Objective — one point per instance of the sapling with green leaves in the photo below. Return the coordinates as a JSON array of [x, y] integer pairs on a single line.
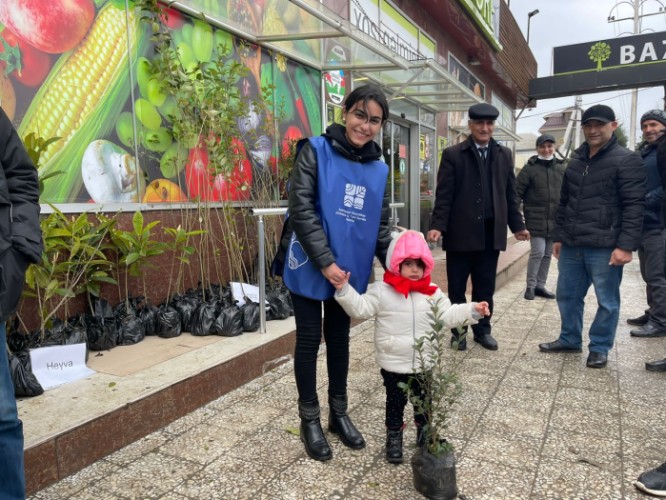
[[136, 248], [439, 380]]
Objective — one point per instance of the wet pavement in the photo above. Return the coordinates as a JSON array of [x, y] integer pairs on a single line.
[[529, 425]]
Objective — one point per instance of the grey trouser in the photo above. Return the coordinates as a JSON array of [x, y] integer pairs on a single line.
[[539, 263], [651, 260]]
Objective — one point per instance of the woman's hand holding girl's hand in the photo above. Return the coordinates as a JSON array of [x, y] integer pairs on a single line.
[[482, 308], [336, 276]]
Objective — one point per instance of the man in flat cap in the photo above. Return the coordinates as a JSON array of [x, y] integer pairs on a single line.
[[598, 225], [475, 201], [538, 185]]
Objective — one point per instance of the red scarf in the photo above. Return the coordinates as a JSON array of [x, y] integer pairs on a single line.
[[405, 285]]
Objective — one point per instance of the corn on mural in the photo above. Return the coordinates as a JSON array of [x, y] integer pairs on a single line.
[[89, 87]]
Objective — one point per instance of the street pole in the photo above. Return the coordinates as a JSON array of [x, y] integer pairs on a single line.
[[529, 19], [634, 92]]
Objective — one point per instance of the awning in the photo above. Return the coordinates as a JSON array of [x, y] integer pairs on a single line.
[[319, 35]]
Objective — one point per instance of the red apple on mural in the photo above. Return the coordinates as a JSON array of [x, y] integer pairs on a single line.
[[54, 27], [204, 184]]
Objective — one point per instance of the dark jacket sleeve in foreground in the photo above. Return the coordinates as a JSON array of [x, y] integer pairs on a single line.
[[19, 187]]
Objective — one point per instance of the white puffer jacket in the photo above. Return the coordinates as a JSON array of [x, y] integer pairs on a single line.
[[400, 321]]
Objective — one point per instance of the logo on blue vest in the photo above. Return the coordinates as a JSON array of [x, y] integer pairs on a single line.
[[297, 256], [354, 196]]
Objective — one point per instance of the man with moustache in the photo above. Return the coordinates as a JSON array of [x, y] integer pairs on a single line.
[[598, 225], [475, 200], [651, 250]]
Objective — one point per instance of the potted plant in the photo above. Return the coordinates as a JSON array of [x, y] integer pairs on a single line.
[[433, 463]]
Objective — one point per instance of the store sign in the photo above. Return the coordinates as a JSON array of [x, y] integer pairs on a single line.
[[483, 13], [619, 63], [384, 23], [611, 54]]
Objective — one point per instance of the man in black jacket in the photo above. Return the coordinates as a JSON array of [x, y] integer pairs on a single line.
[[475, 201], [651, 249], [598, 225], [20, 244], [538, 185]]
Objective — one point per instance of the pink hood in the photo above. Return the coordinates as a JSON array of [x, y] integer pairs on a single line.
[[409, 245]]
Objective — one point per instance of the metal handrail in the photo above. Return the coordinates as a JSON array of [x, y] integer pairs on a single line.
[[260, 213], [261, 235]]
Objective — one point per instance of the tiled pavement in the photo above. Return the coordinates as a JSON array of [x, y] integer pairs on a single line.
[[529, 425]]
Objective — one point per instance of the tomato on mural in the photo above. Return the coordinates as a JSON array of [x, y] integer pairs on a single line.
[[64, 75]]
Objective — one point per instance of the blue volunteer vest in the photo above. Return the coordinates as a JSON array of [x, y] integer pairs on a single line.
[[349, 202]]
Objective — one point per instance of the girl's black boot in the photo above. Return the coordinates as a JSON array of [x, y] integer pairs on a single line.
[[394, 446]]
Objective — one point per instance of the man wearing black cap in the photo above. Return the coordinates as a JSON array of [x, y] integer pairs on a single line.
[[597, 227], [538, 185], [475, 201]]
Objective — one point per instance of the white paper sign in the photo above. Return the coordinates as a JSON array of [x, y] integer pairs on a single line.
[[57, 365], [239, 290]]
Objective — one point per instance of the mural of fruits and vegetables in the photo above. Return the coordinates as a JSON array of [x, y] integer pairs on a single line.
[[65, 72]]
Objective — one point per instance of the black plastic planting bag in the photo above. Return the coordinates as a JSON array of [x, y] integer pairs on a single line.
[[124, 308], [229, 323], [203, 319], [130, 330], [186, 307], [168, 322], [17, 341], [148, 316], [435, 477], [279, 305], [26, 384], [101, 327], [251, 320], [75, 333]]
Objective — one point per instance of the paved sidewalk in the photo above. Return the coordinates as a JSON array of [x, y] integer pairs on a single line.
[[529, 425]]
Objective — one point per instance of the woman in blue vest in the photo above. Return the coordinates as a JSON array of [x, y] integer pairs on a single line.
[[338, 221]]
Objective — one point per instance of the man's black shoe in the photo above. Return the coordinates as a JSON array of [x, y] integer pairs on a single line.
[[597, 360], [557, 346], [542, 292], [656, 366], [639, 321], [650, 330], [487, 342], [529, 294], [653, 481]]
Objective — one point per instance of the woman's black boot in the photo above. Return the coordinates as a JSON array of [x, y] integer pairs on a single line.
[[312, 435], [339, 423], [394, 446]]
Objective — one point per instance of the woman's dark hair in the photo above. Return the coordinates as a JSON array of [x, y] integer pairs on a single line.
[[368, 93]]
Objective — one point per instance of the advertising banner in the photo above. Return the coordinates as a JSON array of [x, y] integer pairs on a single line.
[[83, 77]]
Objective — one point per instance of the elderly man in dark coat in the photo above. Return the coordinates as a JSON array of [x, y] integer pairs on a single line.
[[475, 201]]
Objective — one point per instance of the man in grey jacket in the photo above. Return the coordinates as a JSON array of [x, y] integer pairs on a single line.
[[20, 244], [598, 225]]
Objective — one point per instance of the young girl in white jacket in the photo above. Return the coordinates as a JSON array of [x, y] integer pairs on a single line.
[[401, 306]]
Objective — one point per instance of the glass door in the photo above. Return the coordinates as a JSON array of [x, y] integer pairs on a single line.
[[396, 148]]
